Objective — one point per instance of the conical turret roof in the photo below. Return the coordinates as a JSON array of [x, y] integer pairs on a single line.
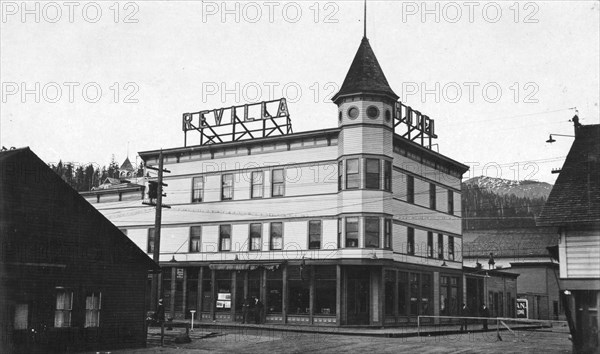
[[365, 75]]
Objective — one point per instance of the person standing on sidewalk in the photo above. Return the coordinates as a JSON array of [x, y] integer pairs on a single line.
[[259, 311], [464, 312], [245, 309], [485, 313]]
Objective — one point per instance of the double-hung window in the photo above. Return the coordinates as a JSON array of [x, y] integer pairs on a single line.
[[64, 307], [255, 237], [451, 248], [314, 234], [387, 176], [352, 174], [450, 202], [410, 189], [430, 244], [197, 189], [387, 235], [195, 239], [373, 173], [432, 196], [410, 242], [440, 246], [225, 238], [372, 232], [278, 183], [352, 232], [227, 186], [257, 184], [276, 236], [93, 304]]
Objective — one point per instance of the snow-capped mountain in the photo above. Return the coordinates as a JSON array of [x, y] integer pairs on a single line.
[[523, 189]]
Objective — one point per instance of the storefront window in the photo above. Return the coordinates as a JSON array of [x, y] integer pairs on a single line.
[[426, 293], [390, 283], [402, 292], [192, 289], [299, 292], [325, 290], [414, 293], [274, 290], [223, 279], [448, 296]]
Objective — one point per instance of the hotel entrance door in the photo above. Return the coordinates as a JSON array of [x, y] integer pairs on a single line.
[[358, 294]]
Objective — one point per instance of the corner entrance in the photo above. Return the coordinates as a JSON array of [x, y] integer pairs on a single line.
[[357, 296]]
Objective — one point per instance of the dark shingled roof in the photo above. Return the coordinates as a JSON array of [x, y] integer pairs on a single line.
[[365, 75], [575, 197], [527, 242], [126, 165]]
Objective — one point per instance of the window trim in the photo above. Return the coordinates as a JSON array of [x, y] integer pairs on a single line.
[[410, 240], [195, 200], [430, 252], [387, 175], [357, 232], [410, 189], [340, 175], [262, 185], [320, 229], [193, 236], [92, 310], [450, 202], [388, 226], [250, 243], [68, 311], [221, 238], [432, 196], [273, 183], [223, 186], [357, 173], [271, 236], [372, 219]]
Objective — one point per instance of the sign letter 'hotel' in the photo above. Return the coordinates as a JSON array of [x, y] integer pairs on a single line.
[[359, 224]]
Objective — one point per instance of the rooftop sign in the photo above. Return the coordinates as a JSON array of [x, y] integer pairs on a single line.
[[413, 125], [249, 121]]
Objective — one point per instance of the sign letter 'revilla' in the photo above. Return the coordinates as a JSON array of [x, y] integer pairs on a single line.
[[241, 122]]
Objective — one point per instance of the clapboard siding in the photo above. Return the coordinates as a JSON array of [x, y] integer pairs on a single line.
[[365, 140], [421, 192], [582, 250], [427, 218], [222, 163], [431, 173]]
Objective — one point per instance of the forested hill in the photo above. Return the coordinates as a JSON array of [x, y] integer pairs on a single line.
[[83, 177], [492, 203]]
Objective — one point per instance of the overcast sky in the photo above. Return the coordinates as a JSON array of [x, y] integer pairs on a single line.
[[496, 77]]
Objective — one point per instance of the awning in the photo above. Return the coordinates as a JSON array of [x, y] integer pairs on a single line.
[[244, 266]]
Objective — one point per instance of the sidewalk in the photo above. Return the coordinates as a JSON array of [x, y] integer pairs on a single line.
[[389, 332]]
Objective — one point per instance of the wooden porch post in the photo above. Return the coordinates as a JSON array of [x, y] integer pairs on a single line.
[[173, 288], [284, 296], [200, 298], [338, 295], [233, 293], [213, 279]]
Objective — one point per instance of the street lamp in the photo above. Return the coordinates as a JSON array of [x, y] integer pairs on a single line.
[[551, 139]]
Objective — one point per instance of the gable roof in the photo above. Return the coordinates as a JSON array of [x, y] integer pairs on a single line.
[[575, 197], [525, 242], [38, 206], [365, 75]]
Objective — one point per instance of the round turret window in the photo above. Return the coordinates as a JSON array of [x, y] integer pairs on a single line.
[[353, 112], [372, 112]]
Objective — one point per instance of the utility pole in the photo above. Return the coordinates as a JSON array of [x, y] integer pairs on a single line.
[[155, 189]]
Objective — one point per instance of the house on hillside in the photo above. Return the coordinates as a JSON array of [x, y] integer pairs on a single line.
[[521, 251], [574, 208], [69, 279]]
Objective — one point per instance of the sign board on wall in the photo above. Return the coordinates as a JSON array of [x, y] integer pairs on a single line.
[[522, 308]]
